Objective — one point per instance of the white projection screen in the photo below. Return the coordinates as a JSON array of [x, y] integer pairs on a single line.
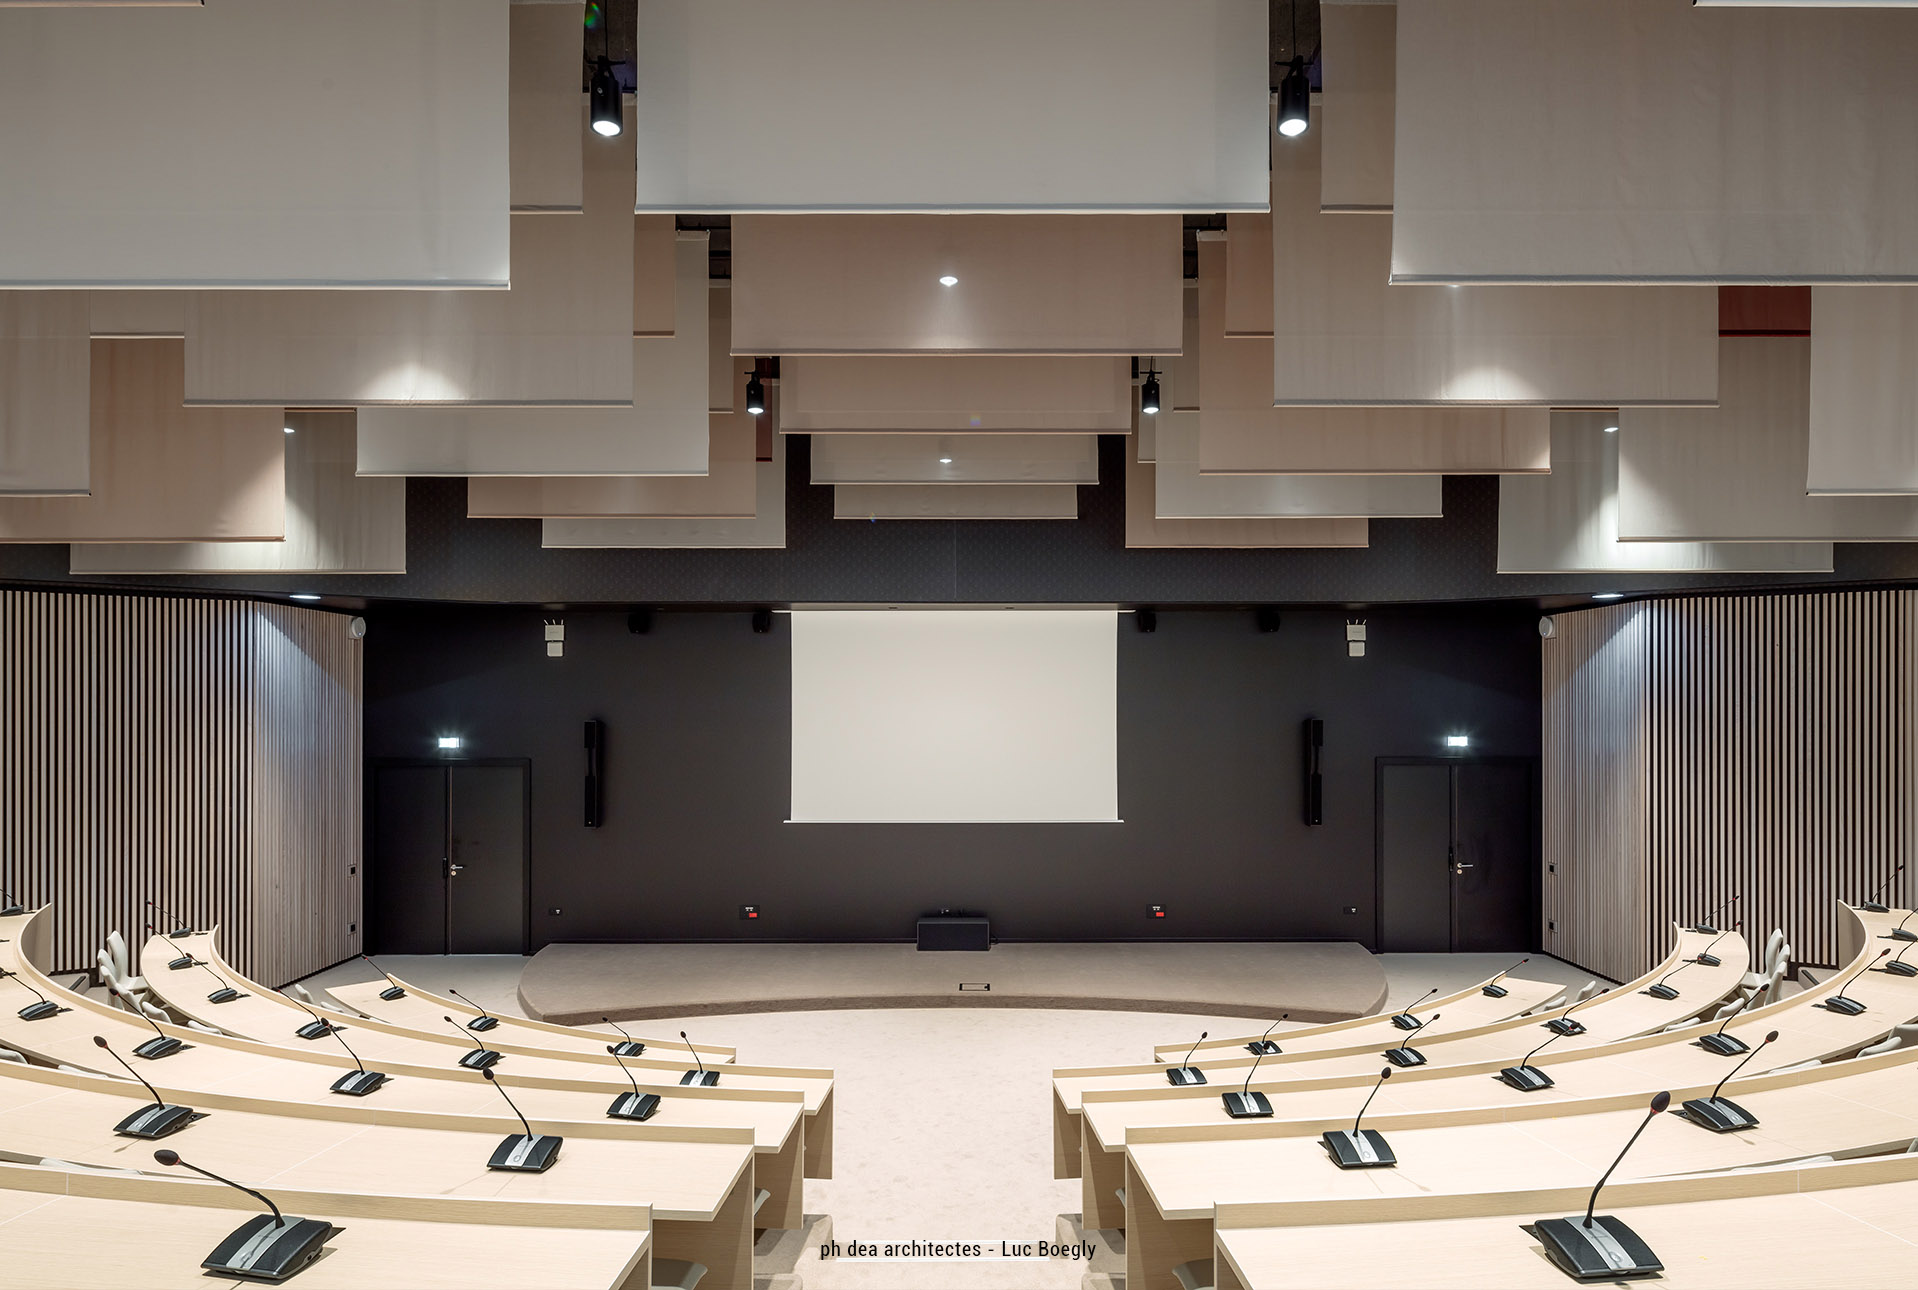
[[928, 716]]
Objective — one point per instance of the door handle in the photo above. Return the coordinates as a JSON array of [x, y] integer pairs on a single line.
[[454, 870], [1461, 868]]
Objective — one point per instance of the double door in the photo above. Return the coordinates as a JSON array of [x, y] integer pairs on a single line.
[[449, 872], [1457, 859]]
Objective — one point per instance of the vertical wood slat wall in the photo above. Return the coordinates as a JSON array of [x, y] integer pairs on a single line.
[[1696, 749], [200, 753]]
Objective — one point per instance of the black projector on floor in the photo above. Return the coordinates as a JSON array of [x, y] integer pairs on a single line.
[[954, 932]]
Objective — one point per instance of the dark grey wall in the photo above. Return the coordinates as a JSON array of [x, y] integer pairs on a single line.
[[698, 770]]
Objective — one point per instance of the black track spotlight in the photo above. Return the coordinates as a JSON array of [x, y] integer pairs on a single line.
[[755, 395], [1147, 620], [607, 111], [1295, 100], [1149, 394]]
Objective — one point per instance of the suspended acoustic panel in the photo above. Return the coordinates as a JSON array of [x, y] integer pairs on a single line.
[[546, 113], [1643, 141], [663, 432], [920, 105], [1181, 370], [161, 471], [727, 490], [1355, 111], [1736, 473], [1342, 334], [335, 521], [655, 276], [1248, 275], [1144, 529], [560, 336], [939, 502], [43, 393], [719, 344], [955, 459], [766, 529], [1240, 432], [1182, 493], [270, 143], [139, 315], [1025, 284], [955, 394], [1864, 391], [1567, 521]]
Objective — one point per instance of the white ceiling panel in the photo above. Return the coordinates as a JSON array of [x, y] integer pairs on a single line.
[[766, 529], [940, 502], [1144, 529], [955, 459], [43, 393], [1354, 114], [955, 394], [1864, 391]]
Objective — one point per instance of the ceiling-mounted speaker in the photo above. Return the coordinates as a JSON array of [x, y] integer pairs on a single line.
[[1267, 618], [762, 621], [595, 753], [1313, 733], [1548, 627], [1147, 620], [639, 622]]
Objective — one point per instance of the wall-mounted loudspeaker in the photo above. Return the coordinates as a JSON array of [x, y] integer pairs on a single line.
[[1147, 620], [762, 621], [595, 752], [1313, 732], [639, 622], [1267, 618], [1548, 627]]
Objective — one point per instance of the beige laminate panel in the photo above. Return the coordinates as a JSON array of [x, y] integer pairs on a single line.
[[161, 471], [43, 393], [336, 521], [1736, 472], [765, 530], [1567, 521], [559, 337], [1143, 528], [1355, 110], [719, 360], [1344, 334], [1027, 284], [1248, 275], [656, 282], [955, 459], [942, 502], [546, 113], [663, 430], [137, 315], [1864, 391], [1240, 432], [955, 394]]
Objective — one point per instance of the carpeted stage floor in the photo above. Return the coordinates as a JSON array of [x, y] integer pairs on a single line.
[[1314, 981]]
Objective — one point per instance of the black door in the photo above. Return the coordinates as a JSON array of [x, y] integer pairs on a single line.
[[449, 858], [1455, 854]]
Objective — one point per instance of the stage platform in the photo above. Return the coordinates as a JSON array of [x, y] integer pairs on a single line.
[[1312, 980]]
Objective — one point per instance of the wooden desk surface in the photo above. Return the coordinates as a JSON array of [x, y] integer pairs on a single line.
[[1470, 1008], [60, 1233], [1810, 1237]]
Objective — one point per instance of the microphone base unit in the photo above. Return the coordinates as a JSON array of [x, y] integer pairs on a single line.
[[1709, 960], [1901, 969], [1662, 991], [1246, 1106], [1844, 1006], [629, 1048], [1405, 1056], [1900, 934], [1723, 1044], [482, 1023], [358, 1083], [519, 1154], [13, 911], [391, 993], [1565, 1026], [225, 994], [1874, 907], [179, 933], [1526, 1079], [1704, 929], [479, 1059], [1606, 1250], [1494, 991], [1406, 1021], [1365, 1149], [156, 1120], [39, 1011], [700, 1079], [633, 1106], [1263, 1048], [1719, 1114], [182, 963], [157, 1047], [269, 1249], [1182, 1076], [315, 1030]]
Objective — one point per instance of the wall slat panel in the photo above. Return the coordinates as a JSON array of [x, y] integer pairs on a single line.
[[1703, 748], [164, 749]]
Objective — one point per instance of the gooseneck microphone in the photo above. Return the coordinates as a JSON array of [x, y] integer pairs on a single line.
[[9, 907], [1706, 956], [34, 1011], [392, 990], [226, 993], [477, 1059], [1842, 1003], [1405, 1054], [634, 1105], [1245, 1104], [627, 1045], [1493, 990], [1263, 1046], [1563, 1024], [1731, 1045], [181, 928], [1704, 925], [1591, 1248], [1525, 1077], [262, 1248], [1721, 1114], [159, 1117], [1185, 1072], [1662, 989], [357, 1082], [485, 1020], [179, 962], [701, 1078], [1872, 904], [1898, 966], [1405, 1020], [1899, 933], [1356, 1149], [161, 1045], [318, 1028], [522, 1153]]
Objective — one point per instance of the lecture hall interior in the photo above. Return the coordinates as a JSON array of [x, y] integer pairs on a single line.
[[911, 644]]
